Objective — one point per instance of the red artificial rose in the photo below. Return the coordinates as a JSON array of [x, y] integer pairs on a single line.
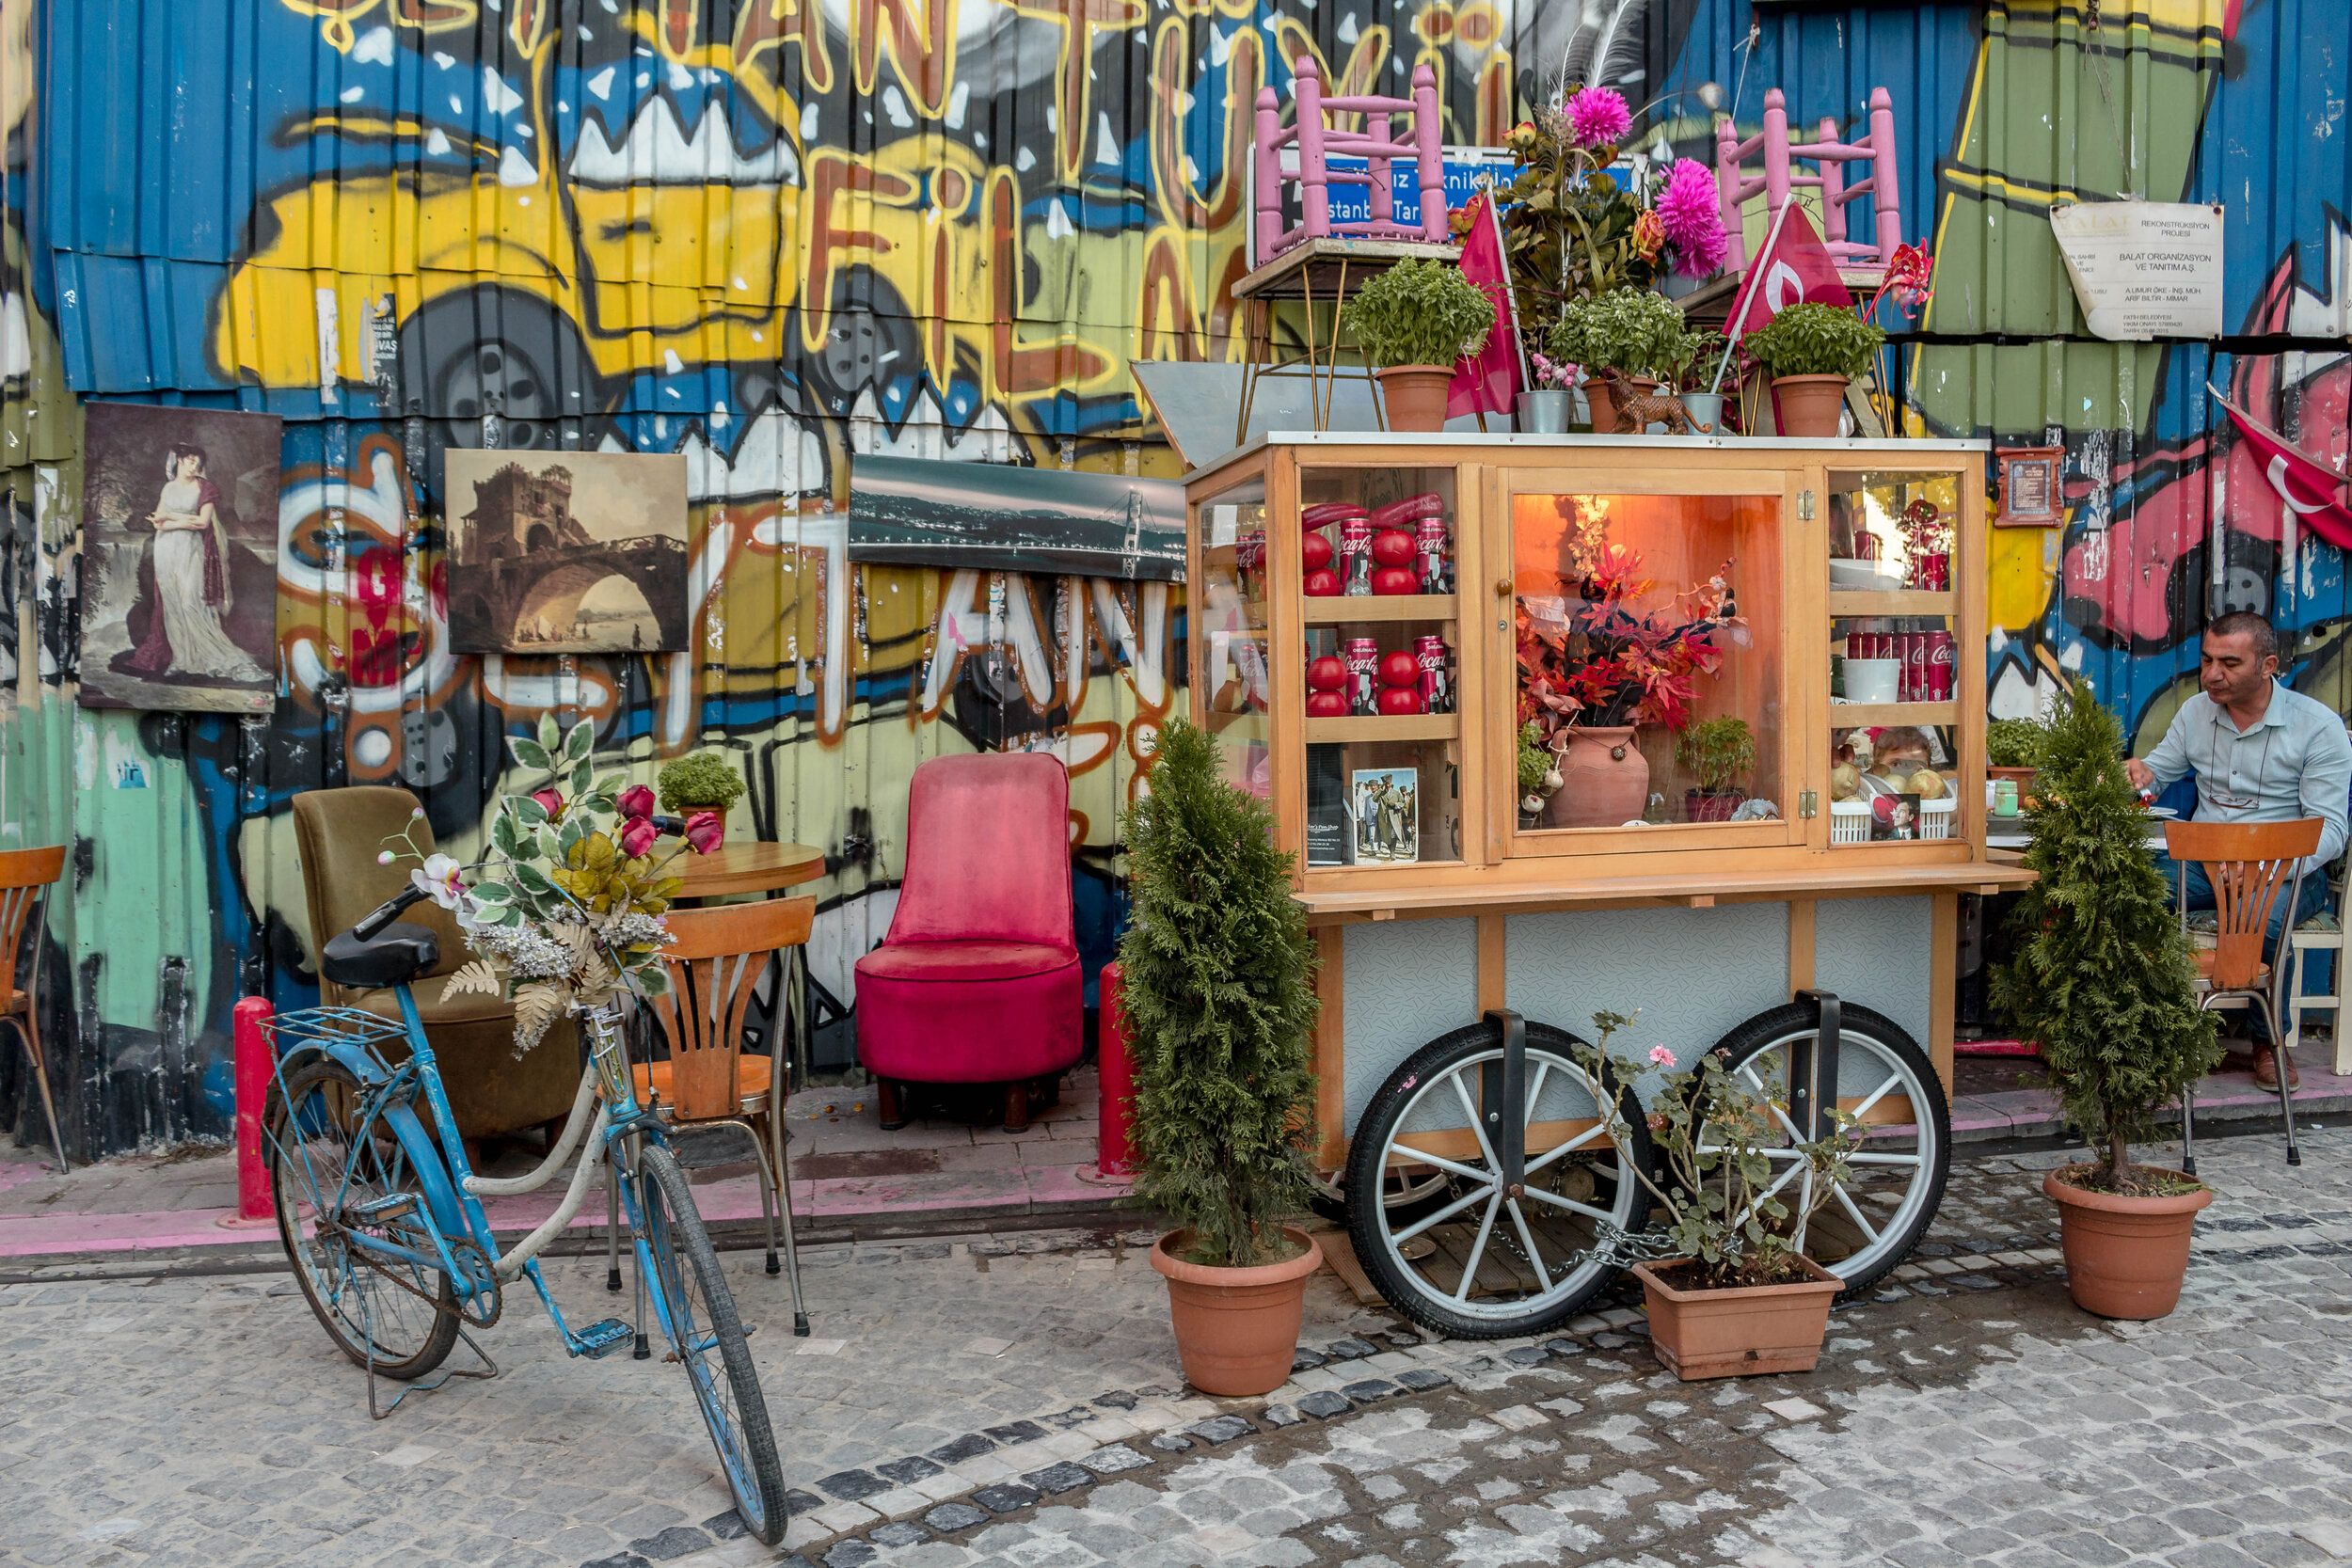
[[636, 801], [704, 832], [638, 836], [549, 801]]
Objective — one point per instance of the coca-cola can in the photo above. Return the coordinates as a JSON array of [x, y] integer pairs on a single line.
[[1916, 666], [1356, 557], [1435, 572], [1362, 655], [1437, 675], [1943, 665]]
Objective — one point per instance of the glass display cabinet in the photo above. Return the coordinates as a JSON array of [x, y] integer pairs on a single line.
[[1680, 728]]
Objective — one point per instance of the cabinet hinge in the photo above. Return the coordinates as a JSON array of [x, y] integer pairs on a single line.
[[1808, 804]]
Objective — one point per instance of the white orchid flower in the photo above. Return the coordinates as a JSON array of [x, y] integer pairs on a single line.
[[441, 878]]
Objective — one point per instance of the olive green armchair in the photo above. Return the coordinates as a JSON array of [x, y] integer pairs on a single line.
[[339, 832]]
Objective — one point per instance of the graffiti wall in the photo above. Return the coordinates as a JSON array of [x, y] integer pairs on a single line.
[[772, 235]]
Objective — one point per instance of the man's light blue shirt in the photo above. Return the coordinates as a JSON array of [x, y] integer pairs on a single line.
[[2296, 762]]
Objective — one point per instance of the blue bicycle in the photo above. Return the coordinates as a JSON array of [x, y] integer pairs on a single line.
[[382, 1216]]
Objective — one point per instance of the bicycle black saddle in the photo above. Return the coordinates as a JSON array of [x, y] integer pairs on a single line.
[[395, 954]]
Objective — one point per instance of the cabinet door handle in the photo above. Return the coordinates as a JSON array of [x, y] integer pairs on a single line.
[[1502, 588]]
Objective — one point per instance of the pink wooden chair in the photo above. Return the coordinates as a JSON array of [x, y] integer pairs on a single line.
[[1377, 145], [1780, 179]]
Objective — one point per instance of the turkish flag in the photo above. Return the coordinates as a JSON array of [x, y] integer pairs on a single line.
[[1487, 382], [1794, 268], [2307, 488]]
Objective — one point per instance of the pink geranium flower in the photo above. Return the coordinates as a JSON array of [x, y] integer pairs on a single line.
[[1689, 211], [1597, 117], [1661, 1056]]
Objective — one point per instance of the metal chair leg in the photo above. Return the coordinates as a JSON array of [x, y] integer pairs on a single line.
[[776, 1136], [2286, 1095], [767, 1190], [40, 1077]]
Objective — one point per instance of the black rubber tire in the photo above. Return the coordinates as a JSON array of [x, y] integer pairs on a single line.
[[1765, 1030], [299, 1160], [676, 1237], [1365, 1166]]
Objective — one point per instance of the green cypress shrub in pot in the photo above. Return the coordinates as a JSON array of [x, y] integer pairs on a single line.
[[1219, 1000]]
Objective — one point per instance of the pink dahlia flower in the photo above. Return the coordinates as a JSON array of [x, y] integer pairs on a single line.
[[1692, 217], [1599, 115]]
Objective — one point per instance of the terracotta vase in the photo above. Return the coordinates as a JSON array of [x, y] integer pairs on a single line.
[[1236, 1329], [1415, 395], [1808, 405], [2125, 1257], [1604, 780], [1738, 1333]]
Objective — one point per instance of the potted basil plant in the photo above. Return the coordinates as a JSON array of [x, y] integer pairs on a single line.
[[1415, 321], [1218, 997], [1812, 351], [1737, 1297], [1715, 751], [1626, 339]]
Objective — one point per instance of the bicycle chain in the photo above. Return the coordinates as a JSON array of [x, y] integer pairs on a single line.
[[498, 1297]]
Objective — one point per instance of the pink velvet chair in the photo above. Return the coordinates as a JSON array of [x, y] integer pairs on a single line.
[[979, 980]]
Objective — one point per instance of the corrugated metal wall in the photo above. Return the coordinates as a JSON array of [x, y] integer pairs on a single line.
[[772, 237]]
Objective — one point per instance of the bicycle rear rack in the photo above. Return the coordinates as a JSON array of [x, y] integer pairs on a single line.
[[324, 1027]]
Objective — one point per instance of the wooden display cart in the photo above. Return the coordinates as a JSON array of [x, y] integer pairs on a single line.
[[1467, 943]]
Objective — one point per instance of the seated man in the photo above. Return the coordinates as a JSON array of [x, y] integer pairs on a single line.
[[2262, 754]]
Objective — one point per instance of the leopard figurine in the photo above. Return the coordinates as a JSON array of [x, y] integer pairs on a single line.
[[1638, 411]]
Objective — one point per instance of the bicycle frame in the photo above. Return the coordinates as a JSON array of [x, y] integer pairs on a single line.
[[446, 1178]]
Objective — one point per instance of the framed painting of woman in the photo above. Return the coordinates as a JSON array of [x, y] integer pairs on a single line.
[[181, 531]]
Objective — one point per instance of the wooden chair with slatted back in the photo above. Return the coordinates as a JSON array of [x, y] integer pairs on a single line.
[[714, 961], [2248, 865], [26, 877]]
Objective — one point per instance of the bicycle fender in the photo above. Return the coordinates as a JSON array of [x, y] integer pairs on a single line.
[[425, 1158]]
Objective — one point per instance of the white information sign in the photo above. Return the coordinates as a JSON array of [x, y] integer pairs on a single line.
[[2143, 269]]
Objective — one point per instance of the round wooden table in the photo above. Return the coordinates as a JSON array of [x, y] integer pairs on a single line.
[[733, 868]]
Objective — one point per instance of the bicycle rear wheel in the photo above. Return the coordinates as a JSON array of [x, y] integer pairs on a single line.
[[697, 1311], [329, 1170]]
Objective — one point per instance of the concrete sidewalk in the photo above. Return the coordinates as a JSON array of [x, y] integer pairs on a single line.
[[851, 1180]]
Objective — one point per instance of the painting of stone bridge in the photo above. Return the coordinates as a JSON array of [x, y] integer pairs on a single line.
[[567, 552]]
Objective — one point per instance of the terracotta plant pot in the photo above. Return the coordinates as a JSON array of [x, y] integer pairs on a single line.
[[1808, 405], [2024, 776], [1710, 805], [1414, 395], [2125, 1257], [1604, 780], [1736, 1333], [1236, 1329]]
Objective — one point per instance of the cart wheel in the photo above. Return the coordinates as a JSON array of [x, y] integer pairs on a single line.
[[1426, 1212], [1871, 1224]]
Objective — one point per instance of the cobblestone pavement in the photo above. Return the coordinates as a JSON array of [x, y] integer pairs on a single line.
[[973, 1402]]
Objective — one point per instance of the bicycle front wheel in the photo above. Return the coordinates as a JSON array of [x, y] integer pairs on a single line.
[[697, 1311], [340, 1178]]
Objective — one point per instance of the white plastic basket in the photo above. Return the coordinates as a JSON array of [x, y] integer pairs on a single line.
[[1849, 820]]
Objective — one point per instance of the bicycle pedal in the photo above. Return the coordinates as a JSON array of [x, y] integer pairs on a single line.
[[601, 1340], [376, 1210]]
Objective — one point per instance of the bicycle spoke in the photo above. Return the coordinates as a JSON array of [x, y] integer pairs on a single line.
[[1449, 1167], [1486, 1149], [1478, 1249], [1443, 1214]]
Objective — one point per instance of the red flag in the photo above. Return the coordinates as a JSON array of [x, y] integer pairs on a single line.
[[1487, 381], [1794, 268], [2307, 488]]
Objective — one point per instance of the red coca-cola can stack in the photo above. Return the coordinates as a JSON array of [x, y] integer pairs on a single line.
[[1914, 666], [1362, 655], [1356, 556], [1437, 674], [1943, 666], [1431, 567]]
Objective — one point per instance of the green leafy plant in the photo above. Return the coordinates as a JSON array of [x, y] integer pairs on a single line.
[[1421, 314], [2102, 978], [1536, 760], [1716, 750], [1219, 993], [1723, 1196], [703, 781], [1632, 332], [1814, 339], [2013, 743], [1693, 362]]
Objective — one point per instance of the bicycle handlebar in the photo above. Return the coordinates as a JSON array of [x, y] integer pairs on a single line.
[[374, 922]]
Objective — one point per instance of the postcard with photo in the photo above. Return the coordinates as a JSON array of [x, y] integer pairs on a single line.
[[1387, 804]]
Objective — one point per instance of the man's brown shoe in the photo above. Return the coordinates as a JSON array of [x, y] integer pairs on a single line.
[[2266, 1072]]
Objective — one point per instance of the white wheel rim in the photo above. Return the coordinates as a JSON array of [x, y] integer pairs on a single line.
[[1477, 1225], [1876, 1165]]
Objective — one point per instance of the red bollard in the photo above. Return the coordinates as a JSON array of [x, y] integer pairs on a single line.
[[257, 1061], [1114, 1149]]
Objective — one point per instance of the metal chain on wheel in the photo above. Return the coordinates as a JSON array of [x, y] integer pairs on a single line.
[[342, 1232]]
